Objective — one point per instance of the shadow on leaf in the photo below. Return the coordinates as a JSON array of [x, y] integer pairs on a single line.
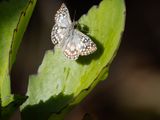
[[7, 111], [44, 109], [94, 56]]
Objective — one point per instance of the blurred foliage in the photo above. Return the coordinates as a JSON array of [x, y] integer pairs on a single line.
[[14, 18]]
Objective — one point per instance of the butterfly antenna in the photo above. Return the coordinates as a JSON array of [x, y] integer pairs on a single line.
[[74, 17]]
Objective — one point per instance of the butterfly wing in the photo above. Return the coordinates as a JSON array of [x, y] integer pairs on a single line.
[[79, 44], [72, 41], [86, 46], [71, 50], [62, 24], [58, 34], [62, 17]]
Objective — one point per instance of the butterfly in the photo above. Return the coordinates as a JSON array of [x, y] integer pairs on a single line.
[[72, 42]]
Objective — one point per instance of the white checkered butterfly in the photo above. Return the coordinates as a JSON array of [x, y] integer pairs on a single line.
[[73, 42]]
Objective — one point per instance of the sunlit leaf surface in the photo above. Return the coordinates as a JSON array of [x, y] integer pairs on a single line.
[[62, 83]]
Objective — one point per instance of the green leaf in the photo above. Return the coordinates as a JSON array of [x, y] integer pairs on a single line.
[[14, 17], [61, 83]]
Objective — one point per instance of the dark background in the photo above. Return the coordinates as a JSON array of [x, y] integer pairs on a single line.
[[132, 90]]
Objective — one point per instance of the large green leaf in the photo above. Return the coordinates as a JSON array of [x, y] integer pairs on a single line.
[[14, 17], [61, 83]]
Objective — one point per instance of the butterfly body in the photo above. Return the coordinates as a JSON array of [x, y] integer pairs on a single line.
[[73, 42]]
